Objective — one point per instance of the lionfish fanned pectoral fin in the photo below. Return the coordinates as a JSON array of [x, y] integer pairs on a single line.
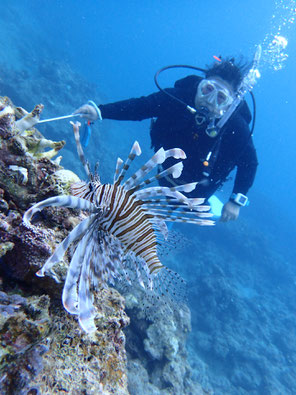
[[58, 201], [77, 298], [85, 299], [101, 263], [59, 253], [78, 231], [70, 291]]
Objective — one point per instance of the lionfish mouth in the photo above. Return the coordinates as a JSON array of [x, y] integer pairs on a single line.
[[126, 225]]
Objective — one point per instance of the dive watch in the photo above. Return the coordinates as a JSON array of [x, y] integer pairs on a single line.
[[239, 199]]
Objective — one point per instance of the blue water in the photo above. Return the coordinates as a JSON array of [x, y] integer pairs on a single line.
[[243, 336]]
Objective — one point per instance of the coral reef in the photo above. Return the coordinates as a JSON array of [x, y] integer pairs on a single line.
[[24, 326], [46, 351], [36, 334], [28, 120], [87, 364], [6, 117], [25, 166], [156, 346], [27, 175]]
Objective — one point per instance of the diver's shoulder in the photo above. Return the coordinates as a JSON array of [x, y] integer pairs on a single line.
[[244, 112]]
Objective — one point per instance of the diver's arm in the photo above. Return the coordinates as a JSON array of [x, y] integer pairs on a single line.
[[154, 105], [245, 175], [137, 109], [246, 169]]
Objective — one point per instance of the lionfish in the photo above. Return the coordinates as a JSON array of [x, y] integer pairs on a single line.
[[126, 222]]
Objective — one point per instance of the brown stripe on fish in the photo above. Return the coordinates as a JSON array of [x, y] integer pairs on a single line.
[[132, 227], [119, 215], [141, 238]]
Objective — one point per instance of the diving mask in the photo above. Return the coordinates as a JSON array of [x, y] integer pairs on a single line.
[[214, 95]]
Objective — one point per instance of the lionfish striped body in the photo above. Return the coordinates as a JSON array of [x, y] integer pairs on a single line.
[[126, 220]]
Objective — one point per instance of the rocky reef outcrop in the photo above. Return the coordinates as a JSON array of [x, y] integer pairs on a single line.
[[27, 174], [43, 349], [82, 364], [156, 346], [24, 326]]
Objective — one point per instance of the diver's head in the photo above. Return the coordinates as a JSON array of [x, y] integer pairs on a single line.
[[217, 91], [214, 94]]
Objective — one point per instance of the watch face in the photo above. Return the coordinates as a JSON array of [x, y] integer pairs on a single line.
[[242, 200]]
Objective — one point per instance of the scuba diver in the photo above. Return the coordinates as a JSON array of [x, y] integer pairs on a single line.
[[187, 116]]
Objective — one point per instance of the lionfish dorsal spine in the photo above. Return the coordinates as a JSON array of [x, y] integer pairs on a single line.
[[157, 159], [135, 151], [80, 152], [119, 163], [147, 193], [185, 187], [174, 171]]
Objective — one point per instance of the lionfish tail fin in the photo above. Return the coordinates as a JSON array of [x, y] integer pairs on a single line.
[[167, 283], [175, 241]]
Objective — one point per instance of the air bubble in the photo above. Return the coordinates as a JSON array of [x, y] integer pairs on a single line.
[[275, 42]]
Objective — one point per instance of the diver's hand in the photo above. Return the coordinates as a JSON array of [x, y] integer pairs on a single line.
[[87, 111], [230, 212]]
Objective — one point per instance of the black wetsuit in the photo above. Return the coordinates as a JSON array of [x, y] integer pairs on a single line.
[[175, 127]]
